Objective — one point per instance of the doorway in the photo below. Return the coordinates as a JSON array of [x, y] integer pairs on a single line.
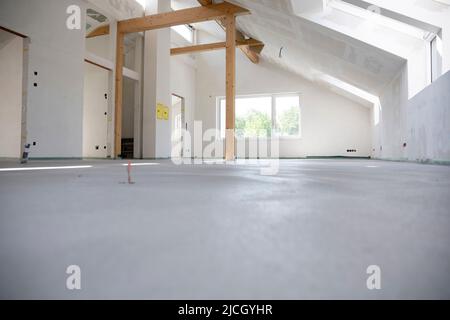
[[128, 118], [178, 125], [12, 88], [95, 111]]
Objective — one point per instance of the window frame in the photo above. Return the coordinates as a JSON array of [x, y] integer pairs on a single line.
[[273, 97]]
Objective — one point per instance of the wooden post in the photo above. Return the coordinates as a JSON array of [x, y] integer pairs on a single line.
[[119, 94], [230, 88]]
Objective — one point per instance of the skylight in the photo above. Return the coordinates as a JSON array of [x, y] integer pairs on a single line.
[[349, 88], [185, 31], [356, 92], [371, 15], [141, 2]]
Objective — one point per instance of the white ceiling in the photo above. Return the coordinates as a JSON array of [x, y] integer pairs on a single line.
[[337, 49], [310, 49], [313, 50]]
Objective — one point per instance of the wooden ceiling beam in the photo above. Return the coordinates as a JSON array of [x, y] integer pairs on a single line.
[[179, 17], [257, 48], [252, 53], [198, 48], [100, 31], [214, 46]]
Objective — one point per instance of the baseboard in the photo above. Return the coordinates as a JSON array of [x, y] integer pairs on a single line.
[[338, 157]]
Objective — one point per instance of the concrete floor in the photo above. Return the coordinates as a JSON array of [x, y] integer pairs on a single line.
[[226, 232]]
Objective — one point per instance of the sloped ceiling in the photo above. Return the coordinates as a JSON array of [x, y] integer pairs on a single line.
[[312, 50], [119, 9]]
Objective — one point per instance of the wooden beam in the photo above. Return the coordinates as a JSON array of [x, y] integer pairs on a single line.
[[100, 31], [253, 56], [230, 23], [257, 48], [198, 48], [249, 42], [120, 56], [179, 17], [251, 53], [212, 47], [104, 30]]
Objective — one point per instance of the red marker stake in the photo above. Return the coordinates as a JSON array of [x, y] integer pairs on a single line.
[[129, 173]]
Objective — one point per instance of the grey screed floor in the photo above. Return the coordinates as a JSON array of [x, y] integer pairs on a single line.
[[226, 232]]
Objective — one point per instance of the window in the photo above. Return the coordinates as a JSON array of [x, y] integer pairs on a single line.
[[263, 116], [141, 2], [186, 31], [435, 58], [287, 110]]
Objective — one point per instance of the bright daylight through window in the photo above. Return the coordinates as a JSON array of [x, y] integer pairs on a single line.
[[141, 2], [264, 116]]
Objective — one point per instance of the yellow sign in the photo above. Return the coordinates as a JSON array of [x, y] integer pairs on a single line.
[[162, 112], [166, 113]]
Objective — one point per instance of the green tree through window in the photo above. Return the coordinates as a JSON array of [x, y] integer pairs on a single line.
[[287, 116], [254, 116], [254, 124], [289, 122]]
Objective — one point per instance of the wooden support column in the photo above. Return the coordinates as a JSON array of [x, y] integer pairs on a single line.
[[120, 56], [230, 23]]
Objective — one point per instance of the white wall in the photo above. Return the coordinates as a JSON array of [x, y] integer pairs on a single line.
[[100, 46], [331, 124], [55, 106], [413, 122], [428, 123], [389, 132], [422, 122], [11, 77], [156, 134]]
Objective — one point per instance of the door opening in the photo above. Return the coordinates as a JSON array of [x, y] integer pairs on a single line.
[[128, 118], [13, 86], [95, 111], [178, 125]]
